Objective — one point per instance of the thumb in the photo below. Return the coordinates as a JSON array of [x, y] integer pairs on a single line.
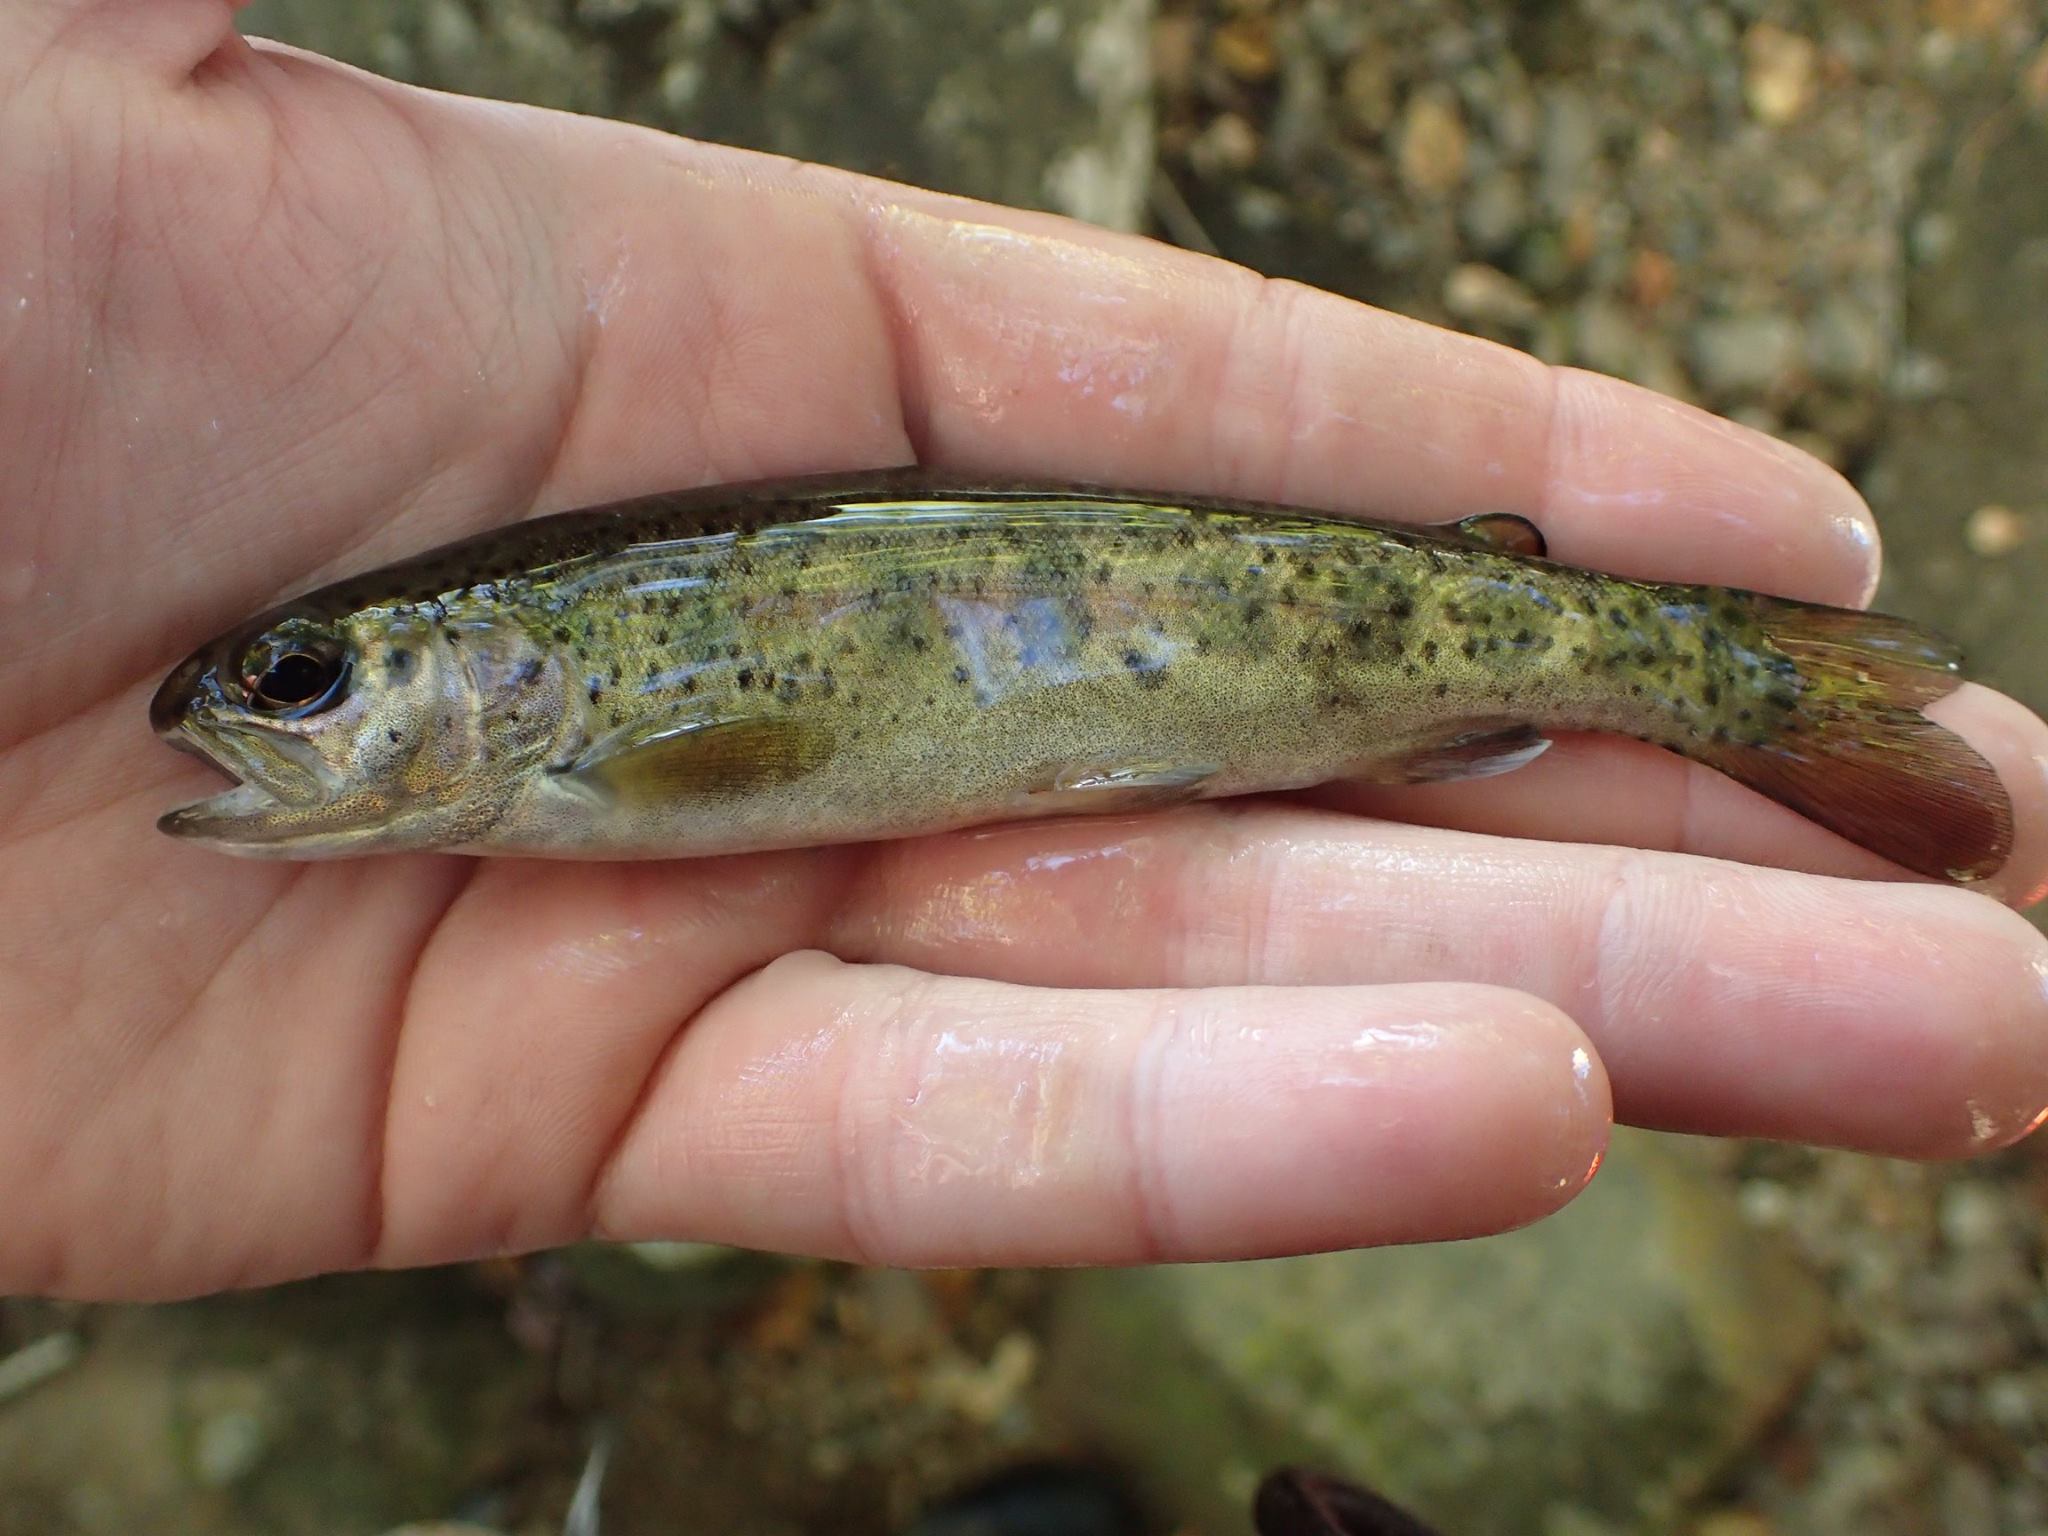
[[164, 38]]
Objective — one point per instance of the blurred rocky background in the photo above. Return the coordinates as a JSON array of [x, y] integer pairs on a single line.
[[1829, 220]]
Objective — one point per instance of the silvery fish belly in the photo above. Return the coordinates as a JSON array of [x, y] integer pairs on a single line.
[[846, 658]]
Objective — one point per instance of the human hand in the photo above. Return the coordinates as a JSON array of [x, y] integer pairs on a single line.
[[264, 320]]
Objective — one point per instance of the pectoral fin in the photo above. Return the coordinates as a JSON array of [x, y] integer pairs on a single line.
[[1504, 531], [698, 756], [1096, 788]]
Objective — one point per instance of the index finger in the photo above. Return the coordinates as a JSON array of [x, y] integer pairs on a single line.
[[1024, 343]]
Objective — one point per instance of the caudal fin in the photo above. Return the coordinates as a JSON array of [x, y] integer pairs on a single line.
[[1861, 759]]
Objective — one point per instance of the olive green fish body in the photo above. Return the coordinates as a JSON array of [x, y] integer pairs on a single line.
[[860, 657]]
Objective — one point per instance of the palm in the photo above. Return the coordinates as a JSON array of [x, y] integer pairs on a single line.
[[280, 320]]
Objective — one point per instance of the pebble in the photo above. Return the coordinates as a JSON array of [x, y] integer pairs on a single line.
[[228, 1447], [1991, 532], [1227, 146], [1244, 48], [1778, 78], [1846, 345], [1605, 338], [1746, 354], [1368, 92], [1262, 210], [1434, 144], [1496, 212], [37, 1362], [1652, 277], [1918, 377], [1765, 1202], [1486, 296], [1568, 147], [1931, 237]]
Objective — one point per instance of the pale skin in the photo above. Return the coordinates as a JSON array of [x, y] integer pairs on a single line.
[[264, 320]]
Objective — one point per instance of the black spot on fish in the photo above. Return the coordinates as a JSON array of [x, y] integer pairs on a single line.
[[397, 663], [1470, 647], [920, 644], [391, 735], [1400, 605], [744, 678], [1441, 689], [1429, 650], [959, 674]]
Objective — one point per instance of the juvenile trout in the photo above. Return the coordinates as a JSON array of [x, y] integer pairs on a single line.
[[852, 657]]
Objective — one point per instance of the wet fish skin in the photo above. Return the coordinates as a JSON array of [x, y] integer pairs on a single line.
[[852, 657]]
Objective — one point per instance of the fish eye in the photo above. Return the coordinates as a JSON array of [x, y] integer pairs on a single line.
[[293, 675]]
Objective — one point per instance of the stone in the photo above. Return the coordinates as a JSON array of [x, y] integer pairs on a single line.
[[1605, 338], [1433, 142], [1486, 296], [1368, 92], [1244, 48], [1778, 74], [1496, 212], [1567, 147], [1601, 1366], [1228, 145], [1992, 532], [1846, 344], [1751, 352]]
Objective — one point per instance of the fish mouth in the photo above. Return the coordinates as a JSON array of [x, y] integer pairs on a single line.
[[278, 781]]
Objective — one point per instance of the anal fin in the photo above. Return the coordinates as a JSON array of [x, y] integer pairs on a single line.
[[1470, 749]]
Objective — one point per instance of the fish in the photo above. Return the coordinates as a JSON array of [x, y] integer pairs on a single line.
[[842, 658]]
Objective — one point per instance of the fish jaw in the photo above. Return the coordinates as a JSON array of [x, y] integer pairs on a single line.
[[284, 802]]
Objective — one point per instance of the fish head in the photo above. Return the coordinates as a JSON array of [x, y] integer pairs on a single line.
[[361, 731]]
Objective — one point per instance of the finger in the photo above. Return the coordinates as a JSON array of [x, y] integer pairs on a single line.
[[1607, 790], [1024, 343], [1905, 1019], [166, 37], [877, 1114]]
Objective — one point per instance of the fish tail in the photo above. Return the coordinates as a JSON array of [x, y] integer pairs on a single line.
[[1859, 757]]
